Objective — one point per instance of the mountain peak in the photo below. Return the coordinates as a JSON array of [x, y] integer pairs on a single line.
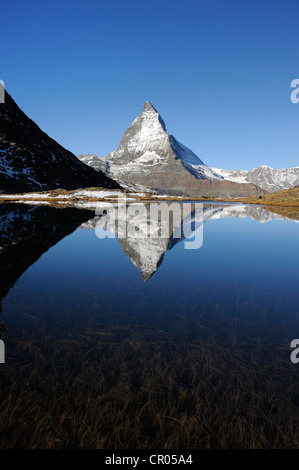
[[149, 107], [148, 156]]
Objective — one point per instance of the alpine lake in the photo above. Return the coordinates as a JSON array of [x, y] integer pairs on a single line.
[[141, 343]]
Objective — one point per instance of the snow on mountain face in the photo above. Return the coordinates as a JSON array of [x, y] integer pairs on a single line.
[[146, 133], [146, 147], [31, 160], [147, 155], [146, 142], [237, 176], [265, 177]]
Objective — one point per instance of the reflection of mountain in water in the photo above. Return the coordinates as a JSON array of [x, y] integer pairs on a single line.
[[147, 253], [240, 211], [26, 232]]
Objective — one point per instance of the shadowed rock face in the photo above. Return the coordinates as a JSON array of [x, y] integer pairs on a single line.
[[26, 232], [147, 155], [31, 160]]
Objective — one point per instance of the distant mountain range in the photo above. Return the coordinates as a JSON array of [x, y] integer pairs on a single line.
[[31, 160], [147, 155], [265, 177]]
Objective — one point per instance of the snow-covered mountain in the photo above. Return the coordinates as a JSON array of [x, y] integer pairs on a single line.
[[31, 160], [265, 177], [147, 155], [146, 145]]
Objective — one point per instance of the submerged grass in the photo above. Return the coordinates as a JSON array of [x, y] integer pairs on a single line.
[[289, 212], [133, 388]]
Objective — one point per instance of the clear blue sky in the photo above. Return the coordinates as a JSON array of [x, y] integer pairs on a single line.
[[218, 72]]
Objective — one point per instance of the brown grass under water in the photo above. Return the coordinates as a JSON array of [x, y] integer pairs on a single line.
[[147, 391], [289, 212]]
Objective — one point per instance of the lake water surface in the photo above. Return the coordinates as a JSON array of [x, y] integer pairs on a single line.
[[123, 343]]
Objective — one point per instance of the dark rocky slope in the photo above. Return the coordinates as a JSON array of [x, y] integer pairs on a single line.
[[31, 160]]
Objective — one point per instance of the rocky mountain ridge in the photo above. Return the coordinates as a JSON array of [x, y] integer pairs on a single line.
[[31, 160]]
